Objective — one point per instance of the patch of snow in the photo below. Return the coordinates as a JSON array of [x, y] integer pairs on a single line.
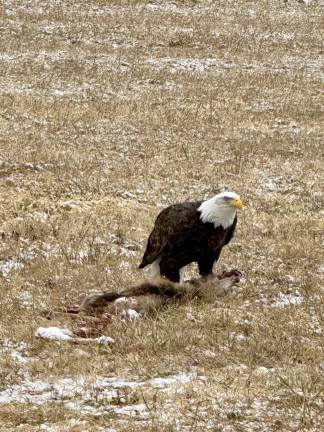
[[244, 322], [116, 382], [237, 337], [270, 184], [16, 355], [83, 253], [26, 299], [99, 242], [190, 316], [16, 350], [75, 393], [170, 7], [182, 378], [260, 106], [40, 216], [189, 64], [287, 300], [6, 266], [240, 338], [282, 36], [104, 340], [263, 370], [34, 391], [137, 409], [127, 253], [209, 354]]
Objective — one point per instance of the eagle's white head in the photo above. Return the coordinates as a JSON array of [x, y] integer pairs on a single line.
[[221, 209]]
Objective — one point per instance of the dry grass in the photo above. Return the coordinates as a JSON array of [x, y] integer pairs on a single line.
[[112, 110]]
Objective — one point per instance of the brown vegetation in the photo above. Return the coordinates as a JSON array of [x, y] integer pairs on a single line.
[[109, 112]]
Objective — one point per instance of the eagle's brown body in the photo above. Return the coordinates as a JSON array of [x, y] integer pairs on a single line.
[[180, 237]]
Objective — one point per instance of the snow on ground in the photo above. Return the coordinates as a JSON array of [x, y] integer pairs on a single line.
[[165, 382], [287, 300], [18, 351], [6, 266], [94, 396]]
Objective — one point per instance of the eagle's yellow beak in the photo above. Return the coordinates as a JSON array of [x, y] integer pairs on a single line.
[[237, 203]]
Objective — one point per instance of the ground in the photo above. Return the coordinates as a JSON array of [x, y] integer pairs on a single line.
[[109, 112]]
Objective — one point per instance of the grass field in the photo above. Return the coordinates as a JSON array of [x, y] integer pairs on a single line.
[[111, 111]]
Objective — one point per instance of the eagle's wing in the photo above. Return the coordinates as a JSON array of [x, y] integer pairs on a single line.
[[170, 225]]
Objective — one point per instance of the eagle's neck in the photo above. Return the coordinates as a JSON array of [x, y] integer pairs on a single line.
[[219, 215]]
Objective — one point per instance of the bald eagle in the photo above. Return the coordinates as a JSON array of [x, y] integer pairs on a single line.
[[191, 232]]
